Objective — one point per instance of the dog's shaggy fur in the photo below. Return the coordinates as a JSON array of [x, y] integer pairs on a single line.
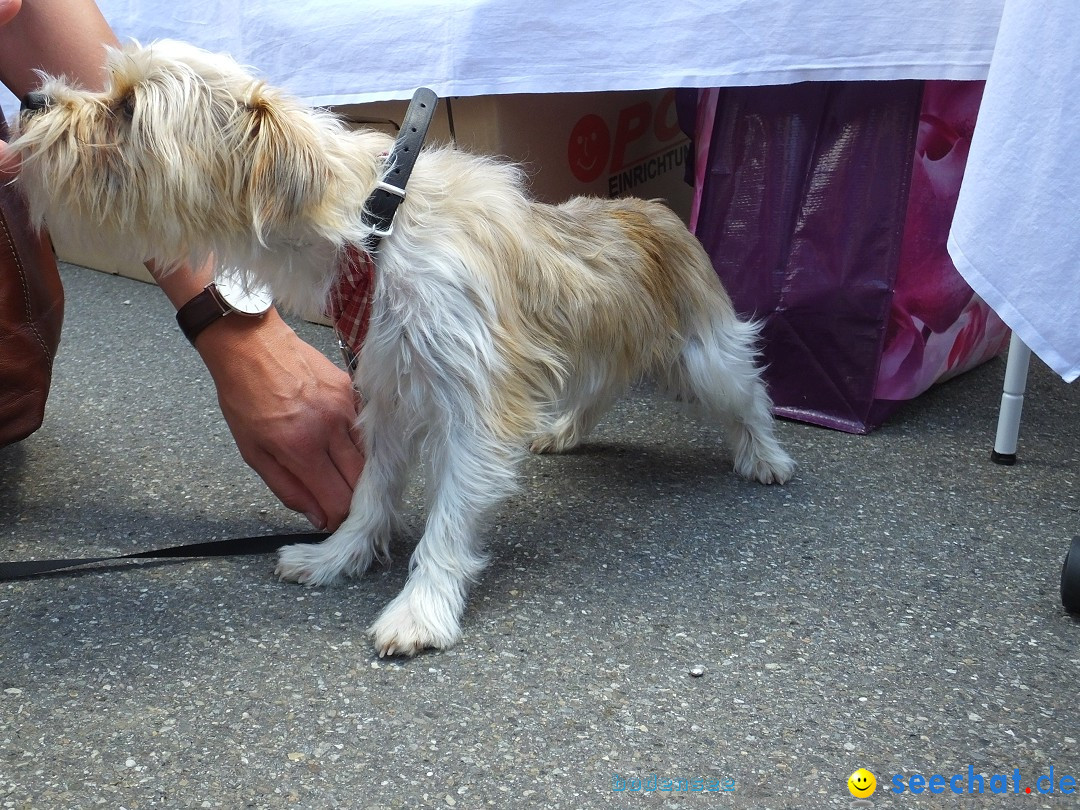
[[498, 323]]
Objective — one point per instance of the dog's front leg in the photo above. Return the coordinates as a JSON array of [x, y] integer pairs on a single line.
[[469, 475], [373, 514]]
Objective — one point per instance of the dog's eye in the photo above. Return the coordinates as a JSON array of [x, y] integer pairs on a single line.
[[127, 105]]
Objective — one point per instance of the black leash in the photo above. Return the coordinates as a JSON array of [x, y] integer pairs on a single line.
[[266, 544]]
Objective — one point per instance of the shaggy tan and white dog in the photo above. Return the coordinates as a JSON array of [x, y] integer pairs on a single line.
[[496, 323]]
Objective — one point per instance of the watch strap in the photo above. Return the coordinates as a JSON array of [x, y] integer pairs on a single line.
[[204, 309]]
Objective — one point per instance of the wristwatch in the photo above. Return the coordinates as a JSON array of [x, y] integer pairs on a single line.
[[225, 295]]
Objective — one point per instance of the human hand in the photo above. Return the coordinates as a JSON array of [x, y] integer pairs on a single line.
[[291, 411]]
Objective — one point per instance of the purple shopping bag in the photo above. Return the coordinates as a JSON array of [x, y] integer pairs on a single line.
[[825, 208]]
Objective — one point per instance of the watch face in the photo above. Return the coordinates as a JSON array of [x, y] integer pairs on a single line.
[[246, 297]]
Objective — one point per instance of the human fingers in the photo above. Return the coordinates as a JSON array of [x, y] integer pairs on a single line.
[[8, 9], [286, 487], [331, 490]]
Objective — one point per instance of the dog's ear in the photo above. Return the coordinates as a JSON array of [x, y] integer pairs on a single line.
[[287, 173]]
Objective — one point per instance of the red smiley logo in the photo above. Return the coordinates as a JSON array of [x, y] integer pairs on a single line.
[[589, 148]]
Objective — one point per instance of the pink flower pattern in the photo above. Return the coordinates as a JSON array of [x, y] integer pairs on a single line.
[[938, 327]]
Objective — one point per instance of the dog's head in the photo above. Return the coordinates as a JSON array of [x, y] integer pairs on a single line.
[[183, 151]]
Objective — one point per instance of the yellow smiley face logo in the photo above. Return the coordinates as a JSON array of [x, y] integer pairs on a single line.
[[862, 783]]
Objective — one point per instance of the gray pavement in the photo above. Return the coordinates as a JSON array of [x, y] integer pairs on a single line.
[[895, 607]]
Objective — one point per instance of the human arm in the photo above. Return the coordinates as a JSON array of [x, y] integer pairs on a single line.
[[290, 410]]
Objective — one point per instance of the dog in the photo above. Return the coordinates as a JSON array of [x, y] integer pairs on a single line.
[[497, 323]]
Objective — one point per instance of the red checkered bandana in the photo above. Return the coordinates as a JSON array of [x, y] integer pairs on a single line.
[[349, 303]]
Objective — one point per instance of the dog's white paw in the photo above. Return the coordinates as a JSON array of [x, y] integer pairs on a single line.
[[403, 629], [777, 468], [311, 564]]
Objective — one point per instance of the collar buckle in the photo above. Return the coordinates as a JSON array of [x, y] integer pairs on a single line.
[[380, 207]]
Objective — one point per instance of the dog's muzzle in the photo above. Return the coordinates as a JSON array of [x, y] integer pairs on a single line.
[[34, 102]]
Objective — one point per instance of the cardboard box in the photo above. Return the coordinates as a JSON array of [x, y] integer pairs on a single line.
[[603, 144]]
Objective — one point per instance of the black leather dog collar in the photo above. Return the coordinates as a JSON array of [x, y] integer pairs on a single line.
[[383, 203]]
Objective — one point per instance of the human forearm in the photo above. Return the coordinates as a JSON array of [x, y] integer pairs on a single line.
[[60, 37], [180, 286]]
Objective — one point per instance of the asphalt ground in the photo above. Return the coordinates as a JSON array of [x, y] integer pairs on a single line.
[[649, 620]]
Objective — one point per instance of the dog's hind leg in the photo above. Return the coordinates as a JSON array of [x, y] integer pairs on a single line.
[[570, 428], [589, 395], [470, 472], [716, 373], [373, 515]]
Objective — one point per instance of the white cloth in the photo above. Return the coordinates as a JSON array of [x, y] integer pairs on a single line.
[[351, 51], [1016, 233]]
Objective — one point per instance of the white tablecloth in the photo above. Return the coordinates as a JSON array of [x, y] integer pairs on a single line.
[[348, 51], [1015, 236], [1016, 232]]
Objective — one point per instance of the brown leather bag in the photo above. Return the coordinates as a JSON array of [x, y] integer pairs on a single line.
[[31, 314]]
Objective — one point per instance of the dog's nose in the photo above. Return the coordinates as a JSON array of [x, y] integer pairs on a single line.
[[35, 102]]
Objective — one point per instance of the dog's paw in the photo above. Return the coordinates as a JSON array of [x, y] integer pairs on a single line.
[[552, 443], [542, 444], [776, 469], [402, 630], [307, 563]]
